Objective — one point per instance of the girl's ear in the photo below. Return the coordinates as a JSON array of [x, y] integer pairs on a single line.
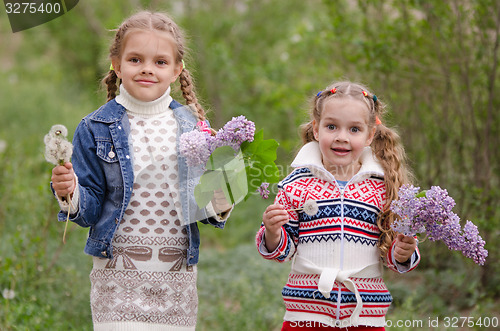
[[371, 136], [177, 71], [116, 67], [315, 130]]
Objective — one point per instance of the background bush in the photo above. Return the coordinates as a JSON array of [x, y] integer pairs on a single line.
[[434, 62]]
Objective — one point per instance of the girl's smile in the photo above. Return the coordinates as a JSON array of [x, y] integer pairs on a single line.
[[341, 151], [343, 133]]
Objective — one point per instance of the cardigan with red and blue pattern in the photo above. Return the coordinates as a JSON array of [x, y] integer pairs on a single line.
[[340, 238]]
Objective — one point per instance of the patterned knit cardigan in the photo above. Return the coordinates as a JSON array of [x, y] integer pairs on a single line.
[[336, 270]]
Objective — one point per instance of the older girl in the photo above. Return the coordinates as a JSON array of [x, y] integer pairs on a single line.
[[133, 190]]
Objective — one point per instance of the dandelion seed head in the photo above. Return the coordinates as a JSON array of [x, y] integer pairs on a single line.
[[310, 207], [58, 149], [8, 294], [58, 130]]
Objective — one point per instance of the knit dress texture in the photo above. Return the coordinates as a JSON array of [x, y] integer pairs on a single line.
[[148, 285]]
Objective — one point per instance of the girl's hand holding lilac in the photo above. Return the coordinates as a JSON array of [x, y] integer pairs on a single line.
[[404, 248], [220, 203], [63, 179]]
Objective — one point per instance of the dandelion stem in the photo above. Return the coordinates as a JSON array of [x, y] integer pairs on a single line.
[[67, 218]]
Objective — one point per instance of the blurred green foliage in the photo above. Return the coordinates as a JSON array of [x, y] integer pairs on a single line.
[[435, 63]]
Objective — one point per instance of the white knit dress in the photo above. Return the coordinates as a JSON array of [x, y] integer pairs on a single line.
[[148, 285]]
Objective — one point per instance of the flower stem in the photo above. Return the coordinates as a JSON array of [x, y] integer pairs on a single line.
[[67, 218], [228, 186]]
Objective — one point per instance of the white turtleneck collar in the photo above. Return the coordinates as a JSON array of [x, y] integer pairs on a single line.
[[145, 109]]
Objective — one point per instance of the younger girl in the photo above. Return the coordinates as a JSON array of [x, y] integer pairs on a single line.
[[133, 190], [351, 167]]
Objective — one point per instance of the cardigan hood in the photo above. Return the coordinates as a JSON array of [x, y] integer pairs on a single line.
[[309, 156]]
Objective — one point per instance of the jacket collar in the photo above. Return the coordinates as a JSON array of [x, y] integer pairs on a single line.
[[114, 112], [309, 156]]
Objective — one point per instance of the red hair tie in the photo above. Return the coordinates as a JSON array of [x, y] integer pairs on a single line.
[[333, 90]]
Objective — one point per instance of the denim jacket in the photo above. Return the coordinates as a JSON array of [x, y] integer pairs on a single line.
[[102, 161]]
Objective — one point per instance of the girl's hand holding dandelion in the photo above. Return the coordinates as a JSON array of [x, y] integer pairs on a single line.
[[58, 151], [276, 216]]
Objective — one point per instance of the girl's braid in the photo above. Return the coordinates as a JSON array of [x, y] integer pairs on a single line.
[[111, 82], [188, 92]]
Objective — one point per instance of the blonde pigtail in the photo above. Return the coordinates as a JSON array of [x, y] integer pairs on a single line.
[[111, 83], [389, 151], [307, 132], [189, 94]]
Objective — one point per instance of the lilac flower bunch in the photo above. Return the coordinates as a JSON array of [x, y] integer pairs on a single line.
[[235, 132], [430, 212], [197, 145], [264, 190]]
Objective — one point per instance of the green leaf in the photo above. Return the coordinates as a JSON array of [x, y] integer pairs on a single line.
[[421, 194], [220, 157]]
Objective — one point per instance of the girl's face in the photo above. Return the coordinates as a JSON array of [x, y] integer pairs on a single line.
[[147, 64], [343, 133]]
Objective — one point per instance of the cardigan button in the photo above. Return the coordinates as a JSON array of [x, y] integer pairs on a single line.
[[104, 254]]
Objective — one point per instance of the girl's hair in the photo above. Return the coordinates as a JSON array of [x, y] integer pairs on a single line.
[[153, 21], [386, 146]]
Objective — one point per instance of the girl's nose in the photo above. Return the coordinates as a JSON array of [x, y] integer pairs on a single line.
[[146, 69], [341, 136]]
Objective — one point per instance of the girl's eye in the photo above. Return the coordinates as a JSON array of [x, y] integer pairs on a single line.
[[355, 129], [161, 62], [134, 60], [330, 127]]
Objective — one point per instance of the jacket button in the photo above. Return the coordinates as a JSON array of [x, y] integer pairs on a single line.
[[104, 253]]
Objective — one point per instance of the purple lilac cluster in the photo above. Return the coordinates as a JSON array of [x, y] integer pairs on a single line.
[[197, 145], [235, 132], [431, 213], [264, 190]]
